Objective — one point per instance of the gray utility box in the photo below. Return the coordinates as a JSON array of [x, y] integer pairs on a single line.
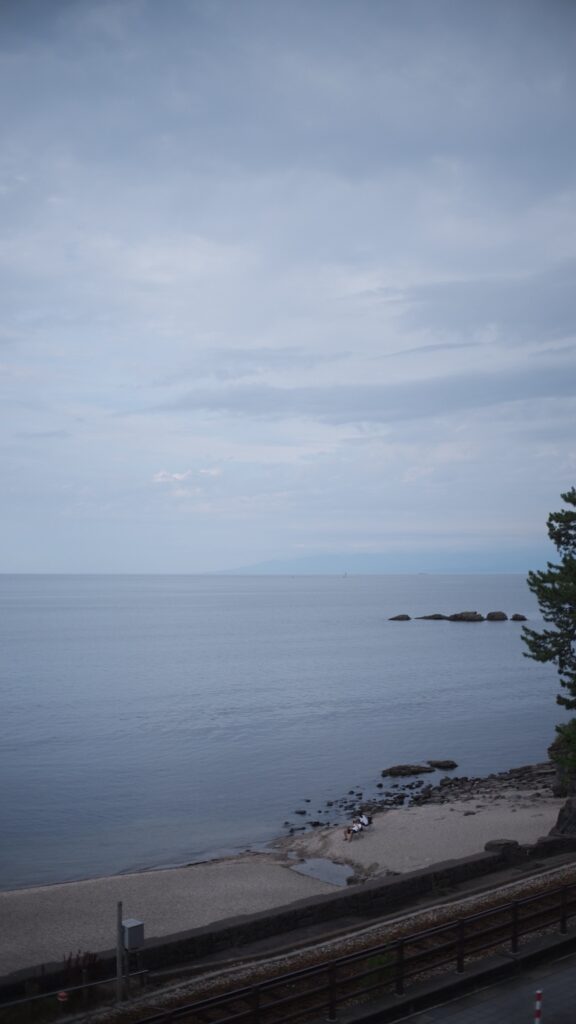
[[132, 933]]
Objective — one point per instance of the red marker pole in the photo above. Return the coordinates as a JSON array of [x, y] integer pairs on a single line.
[[538, 1007]]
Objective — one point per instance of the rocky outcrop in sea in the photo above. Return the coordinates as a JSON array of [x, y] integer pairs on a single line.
[[474, 616]]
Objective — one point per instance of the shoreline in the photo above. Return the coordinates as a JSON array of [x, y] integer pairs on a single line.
[[452, 819], [456, 818], [402, 793]]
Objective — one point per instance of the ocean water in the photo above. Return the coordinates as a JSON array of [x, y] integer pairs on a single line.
[[158, 720]]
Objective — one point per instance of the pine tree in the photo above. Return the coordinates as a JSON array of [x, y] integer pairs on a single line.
[[555, 590]]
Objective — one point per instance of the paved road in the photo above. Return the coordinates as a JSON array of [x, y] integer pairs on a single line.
[[512, 1002]]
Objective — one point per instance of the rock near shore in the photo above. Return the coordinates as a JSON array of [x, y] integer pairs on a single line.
[[535, 778], [566, 823], [398, 770], [535, 781]]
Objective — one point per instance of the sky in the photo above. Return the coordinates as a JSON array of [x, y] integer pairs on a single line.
[[286, 279]]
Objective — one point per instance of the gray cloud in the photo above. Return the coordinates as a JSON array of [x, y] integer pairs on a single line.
[[236, 363], [325, 250], [537, 307], [383, 403]]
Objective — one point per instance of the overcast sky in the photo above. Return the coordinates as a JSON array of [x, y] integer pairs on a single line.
[[284, 278]]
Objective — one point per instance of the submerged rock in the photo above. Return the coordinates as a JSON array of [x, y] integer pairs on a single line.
[[436, 616], [399, 618], [446, 765]]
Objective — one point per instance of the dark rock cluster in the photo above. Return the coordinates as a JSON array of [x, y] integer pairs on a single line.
[[537, 779], [462, 617], [419, 769], [566, 823]]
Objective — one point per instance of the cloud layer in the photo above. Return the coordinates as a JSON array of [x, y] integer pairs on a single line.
[[284, 279]]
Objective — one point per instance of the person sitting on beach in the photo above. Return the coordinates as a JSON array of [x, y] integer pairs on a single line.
[[352, 830], [364, 820]]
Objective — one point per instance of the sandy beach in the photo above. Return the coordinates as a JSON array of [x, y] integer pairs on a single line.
[[416, 837], [46, 923]]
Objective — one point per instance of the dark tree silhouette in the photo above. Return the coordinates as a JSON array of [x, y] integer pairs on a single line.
[[555, 590]]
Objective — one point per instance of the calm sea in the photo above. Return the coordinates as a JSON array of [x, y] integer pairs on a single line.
[[156, 720]]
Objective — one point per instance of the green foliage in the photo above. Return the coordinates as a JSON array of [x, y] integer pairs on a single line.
[[555, 590], [563, 753]]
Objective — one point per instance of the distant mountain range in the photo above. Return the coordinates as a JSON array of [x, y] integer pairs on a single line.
[[404, 562]]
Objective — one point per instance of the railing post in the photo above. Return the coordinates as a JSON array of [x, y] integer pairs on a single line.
[[399, 980], [564, 910], [460, 946], [331, 993], [255, 1005], [515, 926]]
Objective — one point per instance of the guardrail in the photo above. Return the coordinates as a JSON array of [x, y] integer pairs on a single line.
[[358, 977]]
